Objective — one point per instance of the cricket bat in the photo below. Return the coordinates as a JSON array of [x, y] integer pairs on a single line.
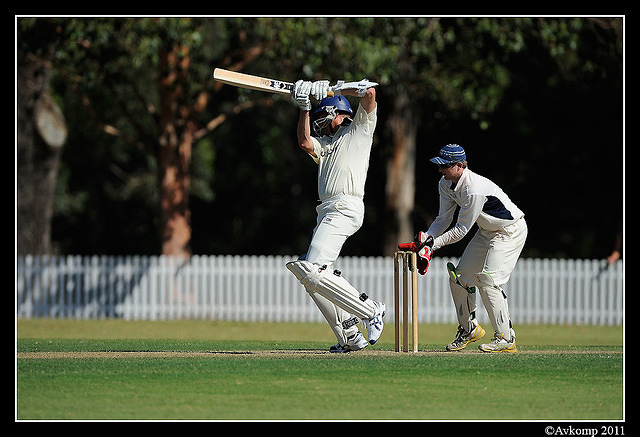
[[248, 81]]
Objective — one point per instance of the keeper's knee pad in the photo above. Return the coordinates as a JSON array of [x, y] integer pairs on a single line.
[[495, 302], [483, 279], [454, 277], [465, 305]]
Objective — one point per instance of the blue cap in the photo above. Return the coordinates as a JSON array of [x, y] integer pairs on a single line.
[[449, 154]]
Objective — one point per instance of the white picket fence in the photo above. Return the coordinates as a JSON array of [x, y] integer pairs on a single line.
[[260, 288]]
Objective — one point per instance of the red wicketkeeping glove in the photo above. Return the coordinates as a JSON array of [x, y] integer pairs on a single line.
[[422, 244], [416, 244], [424, 257]]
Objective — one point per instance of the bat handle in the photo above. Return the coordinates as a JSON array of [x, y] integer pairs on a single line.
[[329, 93]]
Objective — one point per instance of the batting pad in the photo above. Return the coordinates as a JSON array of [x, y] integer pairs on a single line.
[[331, 285]]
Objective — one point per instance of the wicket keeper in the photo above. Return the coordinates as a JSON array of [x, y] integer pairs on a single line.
[[489, 258]]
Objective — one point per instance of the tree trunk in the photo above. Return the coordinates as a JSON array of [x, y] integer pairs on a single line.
[[41, 134], [400, 188], [174, 155]]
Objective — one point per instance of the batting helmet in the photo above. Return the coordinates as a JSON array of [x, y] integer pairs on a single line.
[[327, 111]]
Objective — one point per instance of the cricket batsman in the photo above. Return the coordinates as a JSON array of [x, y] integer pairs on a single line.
[[339, 141], [490, 257]]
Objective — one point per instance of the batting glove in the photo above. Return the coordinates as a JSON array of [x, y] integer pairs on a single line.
[[361, 86], [300, 94], [319, 89]]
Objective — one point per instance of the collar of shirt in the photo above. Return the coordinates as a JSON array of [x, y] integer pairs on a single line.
[[455, 186]]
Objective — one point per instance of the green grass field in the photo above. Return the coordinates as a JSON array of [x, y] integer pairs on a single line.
[[203, 370]]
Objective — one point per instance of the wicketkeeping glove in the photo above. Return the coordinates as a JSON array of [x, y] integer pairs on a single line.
[[422, 244]]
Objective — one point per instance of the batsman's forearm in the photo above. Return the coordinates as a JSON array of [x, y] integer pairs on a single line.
[[368, 101], [353, 92], [304, 133]]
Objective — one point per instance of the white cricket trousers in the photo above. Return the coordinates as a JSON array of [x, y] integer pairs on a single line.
[[487, 263], [339, 217]]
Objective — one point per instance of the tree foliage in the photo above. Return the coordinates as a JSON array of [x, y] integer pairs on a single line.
[[535, 101]]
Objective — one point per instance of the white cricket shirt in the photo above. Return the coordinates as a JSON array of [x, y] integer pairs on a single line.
[[343, 158], [481, 201]]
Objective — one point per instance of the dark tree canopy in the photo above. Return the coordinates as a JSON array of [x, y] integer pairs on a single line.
[[536, 102]]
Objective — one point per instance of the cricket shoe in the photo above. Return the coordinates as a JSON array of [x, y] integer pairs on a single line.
[[375, 324], [463, 339], [499, 344], [355, 342]]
